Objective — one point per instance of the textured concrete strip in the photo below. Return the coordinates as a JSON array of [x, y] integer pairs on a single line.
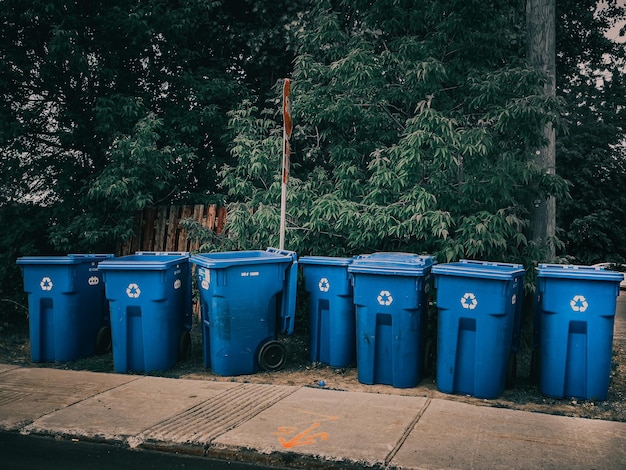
[[124, 412], [29, 393], [455, 435], [361, 428], [205, 421]]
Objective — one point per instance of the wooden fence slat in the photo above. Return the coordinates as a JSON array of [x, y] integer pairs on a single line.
[[148, 229], [182, 236], [221, 220], [198, 215], [211, 216], [135, 243], [159, 229], [172, 229]]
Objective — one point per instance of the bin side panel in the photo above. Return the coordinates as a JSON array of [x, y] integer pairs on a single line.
[[390, 328], [332, 328], [576, 321], [239, 314], [475, 333]]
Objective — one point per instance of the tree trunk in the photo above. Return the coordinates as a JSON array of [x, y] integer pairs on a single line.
[[540, 26]]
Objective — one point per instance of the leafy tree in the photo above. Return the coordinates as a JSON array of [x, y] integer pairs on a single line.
[[412, 124], [592, 156]]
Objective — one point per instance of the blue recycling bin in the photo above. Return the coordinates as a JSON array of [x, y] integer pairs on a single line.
[[576, 313], [479, 310], [68, 313], [332, 329], [391, 300], [246, 298], [150, 307]]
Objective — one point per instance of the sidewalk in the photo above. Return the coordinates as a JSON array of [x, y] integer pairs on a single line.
[[298, 426]]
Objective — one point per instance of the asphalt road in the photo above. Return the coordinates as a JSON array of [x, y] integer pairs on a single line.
[[22, 452]]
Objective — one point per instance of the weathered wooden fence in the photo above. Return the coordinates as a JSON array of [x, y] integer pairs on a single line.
[[158, 228]]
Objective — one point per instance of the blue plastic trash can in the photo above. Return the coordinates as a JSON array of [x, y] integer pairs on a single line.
[[68, 313], [576, 317], [478, 306], [332, 329], [150, 301], [242, 296], [390, 295]]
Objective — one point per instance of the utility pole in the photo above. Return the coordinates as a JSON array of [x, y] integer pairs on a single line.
[[540, 27]]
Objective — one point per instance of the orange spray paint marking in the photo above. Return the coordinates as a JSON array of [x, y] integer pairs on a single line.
[[304, 438]]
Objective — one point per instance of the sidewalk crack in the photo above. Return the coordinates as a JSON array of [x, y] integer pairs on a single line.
[[406, 433]]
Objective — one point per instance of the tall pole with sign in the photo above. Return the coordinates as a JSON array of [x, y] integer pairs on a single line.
[[287, 128]]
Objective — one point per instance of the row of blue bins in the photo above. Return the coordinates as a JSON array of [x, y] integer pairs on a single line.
[[370, 310]]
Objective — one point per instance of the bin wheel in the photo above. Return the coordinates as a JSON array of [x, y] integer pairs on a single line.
[[272, 356], [103, 340], [511, 372], [184, 346]]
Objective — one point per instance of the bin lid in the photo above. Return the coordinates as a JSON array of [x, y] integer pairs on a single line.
[[225, 259], [571, 271], [392, 263], [65, 260], [480, 269], [147, 261], [325, 260]]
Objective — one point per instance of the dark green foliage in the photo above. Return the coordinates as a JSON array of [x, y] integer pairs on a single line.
[[413, 126]]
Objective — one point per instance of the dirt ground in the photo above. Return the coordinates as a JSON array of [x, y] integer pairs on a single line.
[[299, 371]]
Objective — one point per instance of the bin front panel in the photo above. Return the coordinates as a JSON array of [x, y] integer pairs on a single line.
[[390, 327], [150, 304], [576, 320], [475, 331], [332, 329], [240, 306], [67, 306]]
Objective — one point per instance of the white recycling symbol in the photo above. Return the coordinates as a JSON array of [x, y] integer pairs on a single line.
[[385, 298], [177, 284], [469, 301], [579, 303], [93, 281], [133, 291], [324, 285], [46, 283]]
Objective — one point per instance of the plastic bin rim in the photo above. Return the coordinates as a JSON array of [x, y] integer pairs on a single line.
[[571, 271], [486, 271], [142, 262], [224, 259], [68, 259], [326, 260]]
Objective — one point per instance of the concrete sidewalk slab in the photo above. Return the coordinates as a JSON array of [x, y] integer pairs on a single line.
[[29, 393], [361, 428], [122, 413], [7, 367], [456, 435], [202, 423]]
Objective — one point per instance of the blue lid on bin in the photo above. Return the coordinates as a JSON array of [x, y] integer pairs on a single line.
[[65, 260], [325, 260], [392, 263], [571, 271], [145, 260], [226, 259], [480, 269]]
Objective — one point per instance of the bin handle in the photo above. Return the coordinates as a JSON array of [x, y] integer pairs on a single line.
[[162, 253], [278, 251]]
